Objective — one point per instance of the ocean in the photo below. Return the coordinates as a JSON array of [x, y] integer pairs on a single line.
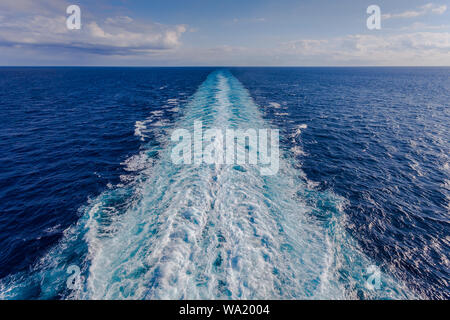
[[92, 207]]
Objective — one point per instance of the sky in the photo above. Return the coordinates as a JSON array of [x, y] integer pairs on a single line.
[[225, 33]]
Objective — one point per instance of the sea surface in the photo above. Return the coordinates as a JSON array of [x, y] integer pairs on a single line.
[[92, 207]]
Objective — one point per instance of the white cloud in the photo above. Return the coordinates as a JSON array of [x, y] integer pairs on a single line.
[[42, 37], [408, 49], [248, 20], [439, 10], [26, 23], [422, 26], [119, 20], [420, 11], [419, 48]]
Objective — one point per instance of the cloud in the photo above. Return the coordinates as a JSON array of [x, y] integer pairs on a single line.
[[37, 7], [419, 48], [423, 26], [248, 20], [119, 20], [423, 10], [46, 28], [35, 34], [415, 48]]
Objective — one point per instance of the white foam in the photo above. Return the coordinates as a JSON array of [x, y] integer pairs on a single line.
[[139, 128], [298, 151], [274, 105], [215, 232], [137, 162], [157, 113], [298, 130], [206, 232]]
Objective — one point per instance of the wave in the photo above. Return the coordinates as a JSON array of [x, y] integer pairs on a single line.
[[207, 231]]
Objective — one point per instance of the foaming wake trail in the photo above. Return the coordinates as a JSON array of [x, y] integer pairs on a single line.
[[209, 231]]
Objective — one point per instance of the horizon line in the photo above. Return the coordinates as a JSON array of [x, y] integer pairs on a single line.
[[218, 66]]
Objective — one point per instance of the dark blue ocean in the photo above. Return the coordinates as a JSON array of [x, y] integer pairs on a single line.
[[87, 191]]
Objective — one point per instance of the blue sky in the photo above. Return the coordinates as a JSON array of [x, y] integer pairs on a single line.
[[211, 32]]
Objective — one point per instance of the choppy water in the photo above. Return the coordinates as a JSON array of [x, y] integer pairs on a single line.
[[341, 202]]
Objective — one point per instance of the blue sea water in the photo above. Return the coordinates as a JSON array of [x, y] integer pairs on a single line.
[[86, 180]]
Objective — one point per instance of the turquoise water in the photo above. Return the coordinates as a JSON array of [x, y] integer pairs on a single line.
[[206, 231], [93, 207]]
